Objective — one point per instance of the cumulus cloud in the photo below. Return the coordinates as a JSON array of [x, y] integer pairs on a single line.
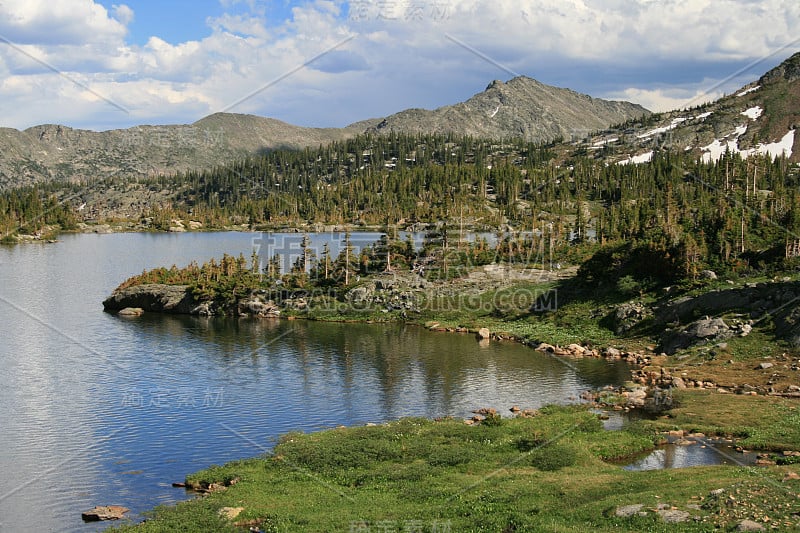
[[404, 53], [123, 14], [59, 22]]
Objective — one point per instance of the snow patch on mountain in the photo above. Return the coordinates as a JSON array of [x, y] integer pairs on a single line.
[[748, 91], [637, 159], [715, 150], [753, 113], [663, 129]]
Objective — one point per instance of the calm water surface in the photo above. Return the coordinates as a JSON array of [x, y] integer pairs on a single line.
[[97, 409]]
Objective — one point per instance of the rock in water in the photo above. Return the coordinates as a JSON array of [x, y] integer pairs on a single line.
[[104, 512], [484, 333]]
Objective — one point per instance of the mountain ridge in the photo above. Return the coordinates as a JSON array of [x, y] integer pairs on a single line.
[[521, 107]]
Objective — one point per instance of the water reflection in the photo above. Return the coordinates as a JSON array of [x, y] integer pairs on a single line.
[[410, 368], [702, 453]]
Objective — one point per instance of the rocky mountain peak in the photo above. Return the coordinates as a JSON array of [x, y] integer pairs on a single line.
[[789, 70], [496, 84], [520, 107]]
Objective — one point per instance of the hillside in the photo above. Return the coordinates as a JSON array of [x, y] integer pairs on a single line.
[[54, 152], [522, 108], [760, 118]]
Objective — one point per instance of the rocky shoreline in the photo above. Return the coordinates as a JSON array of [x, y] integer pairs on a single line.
[[653, 375]]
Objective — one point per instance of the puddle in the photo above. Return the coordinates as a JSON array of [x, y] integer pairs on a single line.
[[702, 451], [705, 452]]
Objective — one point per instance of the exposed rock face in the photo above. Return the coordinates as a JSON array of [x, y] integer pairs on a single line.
[[778, 299], [787, 325], [152, 297], [521, 107], [628, 315]]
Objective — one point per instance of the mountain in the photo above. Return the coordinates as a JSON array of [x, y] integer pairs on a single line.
[[522, 107], [760, 118], [53, 152]]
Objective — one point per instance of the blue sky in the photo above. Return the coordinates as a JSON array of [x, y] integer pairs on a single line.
[[177, 21], [113, 64]]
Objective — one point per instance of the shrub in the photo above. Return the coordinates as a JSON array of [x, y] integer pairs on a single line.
[[553, 457]]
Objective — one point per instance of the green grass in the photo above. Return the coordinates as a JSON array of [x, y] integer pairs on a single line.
[[759, 422], [541, 474]]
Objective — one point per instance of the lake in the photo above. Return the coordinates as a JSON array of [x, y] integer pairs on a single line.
[[96, 409]]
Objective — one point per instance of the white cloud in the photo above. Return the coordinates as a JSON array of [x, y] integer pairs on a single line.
[[123, 14], [662, 54], [660, 100], [58, 22], [240, 24]]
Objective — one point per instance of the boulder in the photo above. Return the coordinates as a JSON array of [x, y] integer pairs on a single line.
[[699, 331], [708, 274], [749, 525], [627, 511], [576, 349], [104, 512], [258, 308], [636, 397], [673, 516], [484, 333], [131, 311], [204, 309], [152, 297], [613, 353], [629, 315]]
